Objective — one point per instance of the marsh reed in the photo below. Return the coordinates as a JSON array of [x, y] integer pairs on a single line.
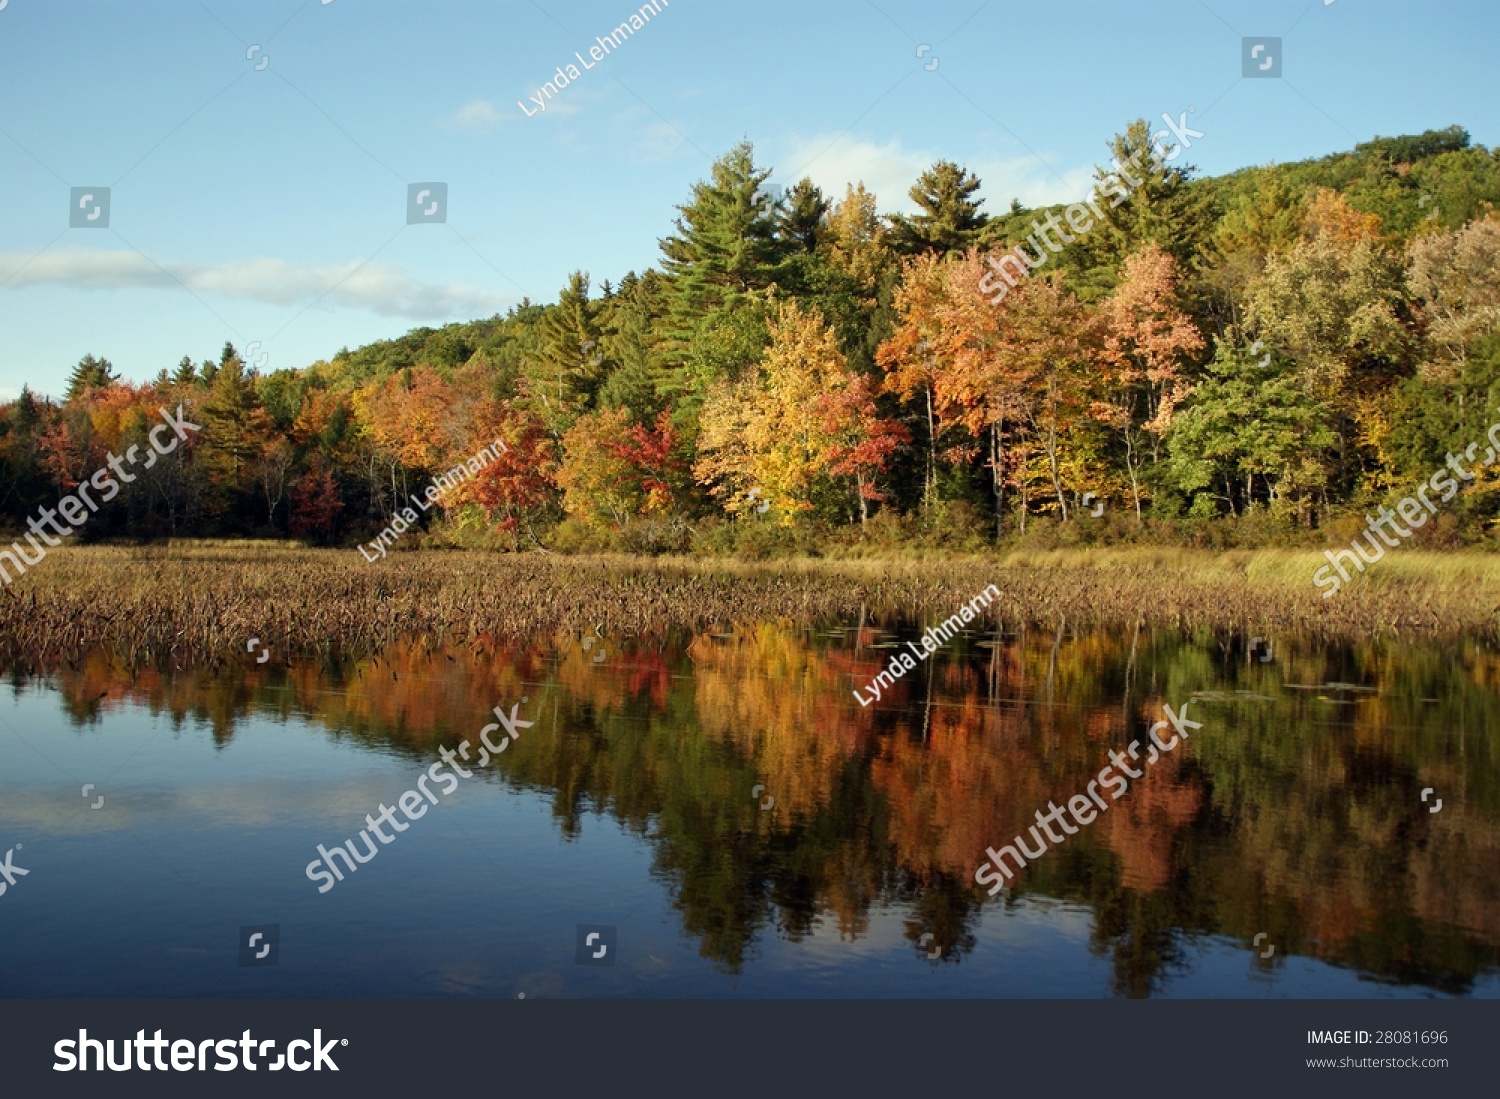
[[188, 603]]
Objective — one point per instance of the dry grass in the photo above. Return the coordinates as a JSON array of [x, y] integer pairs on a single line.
[[190, 602]]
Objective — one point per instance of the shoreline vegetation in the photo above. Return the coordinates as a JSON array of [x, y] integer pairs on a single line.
[[188, 603]]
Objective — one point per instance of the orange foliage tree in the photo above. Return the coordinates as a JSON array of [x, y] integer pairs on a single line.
[[1148, 341]]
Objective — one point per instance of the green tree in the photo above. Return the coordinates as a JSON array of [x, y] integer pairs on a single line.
[[236, 430], [1407, 149], [1251, 418], [726, 245], [627, 318], [90, 373], [1259, 222], [949, 219], [1161, 208], [1334, 306], [568, 366], [25, 481], [804, 217]]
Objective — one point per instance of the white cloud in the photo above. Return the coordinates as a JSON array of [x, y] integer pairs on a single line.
[[555, 108], [658, 141], [889, 170], [378, 287], [479, 114]]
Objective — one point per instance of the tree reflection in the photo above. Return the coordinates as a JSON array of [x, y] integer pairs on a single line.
[[1295, 811]]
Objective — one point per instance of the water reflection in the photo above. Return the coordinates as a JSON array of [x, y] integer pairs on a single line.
[[775, 804]]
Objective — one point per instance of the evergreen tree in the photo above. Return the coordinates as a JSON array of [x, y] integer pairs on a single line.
[[568, 366], [1161, 208], [725, 246], [949, 221], [187, 372], [90, 373], [236, 429], [803, 222], [26, 414], [23, 477], [635, 380]]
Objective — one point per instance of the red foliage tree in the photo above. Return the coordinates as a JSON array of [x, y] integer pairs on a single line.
[[316, 505]]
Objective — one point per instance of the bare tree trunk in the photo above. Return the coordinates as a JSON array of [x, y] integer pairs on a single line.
[[997, 470], [1131, 465], [931, 454], [1052, 468]]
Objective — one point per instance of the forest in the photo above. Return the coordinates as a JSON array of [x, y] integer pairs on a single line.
[[1251, 359]]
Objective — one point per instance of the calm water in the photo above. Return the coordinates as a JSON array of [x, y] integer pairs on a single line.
[[636, 801]]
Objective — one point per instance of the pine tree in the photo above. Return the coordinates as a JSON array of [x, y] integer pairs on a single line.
[[23, 476], [949, 221], [569, 364], [90, 373], [725, 246], [804, 218], [25, 413], [1161, 208], [236, 429], [187, 372], [635, 381]]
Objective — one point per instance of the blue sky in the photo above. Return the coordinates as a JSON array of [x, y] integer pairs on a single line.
[[268, 204]]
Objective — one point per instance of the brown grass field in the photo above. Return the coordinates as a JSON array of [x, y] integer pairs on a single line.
[[187, 602]]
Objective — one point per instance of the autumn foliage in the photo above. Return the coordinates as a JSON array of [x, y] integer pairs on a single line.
[[1283, 345]]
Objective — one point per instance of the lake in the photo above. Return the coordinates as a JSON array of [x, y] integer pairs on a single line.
[[727, 819]]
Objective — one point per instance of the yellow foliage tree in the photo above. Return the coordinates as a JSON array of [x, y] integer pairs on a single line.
[[774, 437]]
